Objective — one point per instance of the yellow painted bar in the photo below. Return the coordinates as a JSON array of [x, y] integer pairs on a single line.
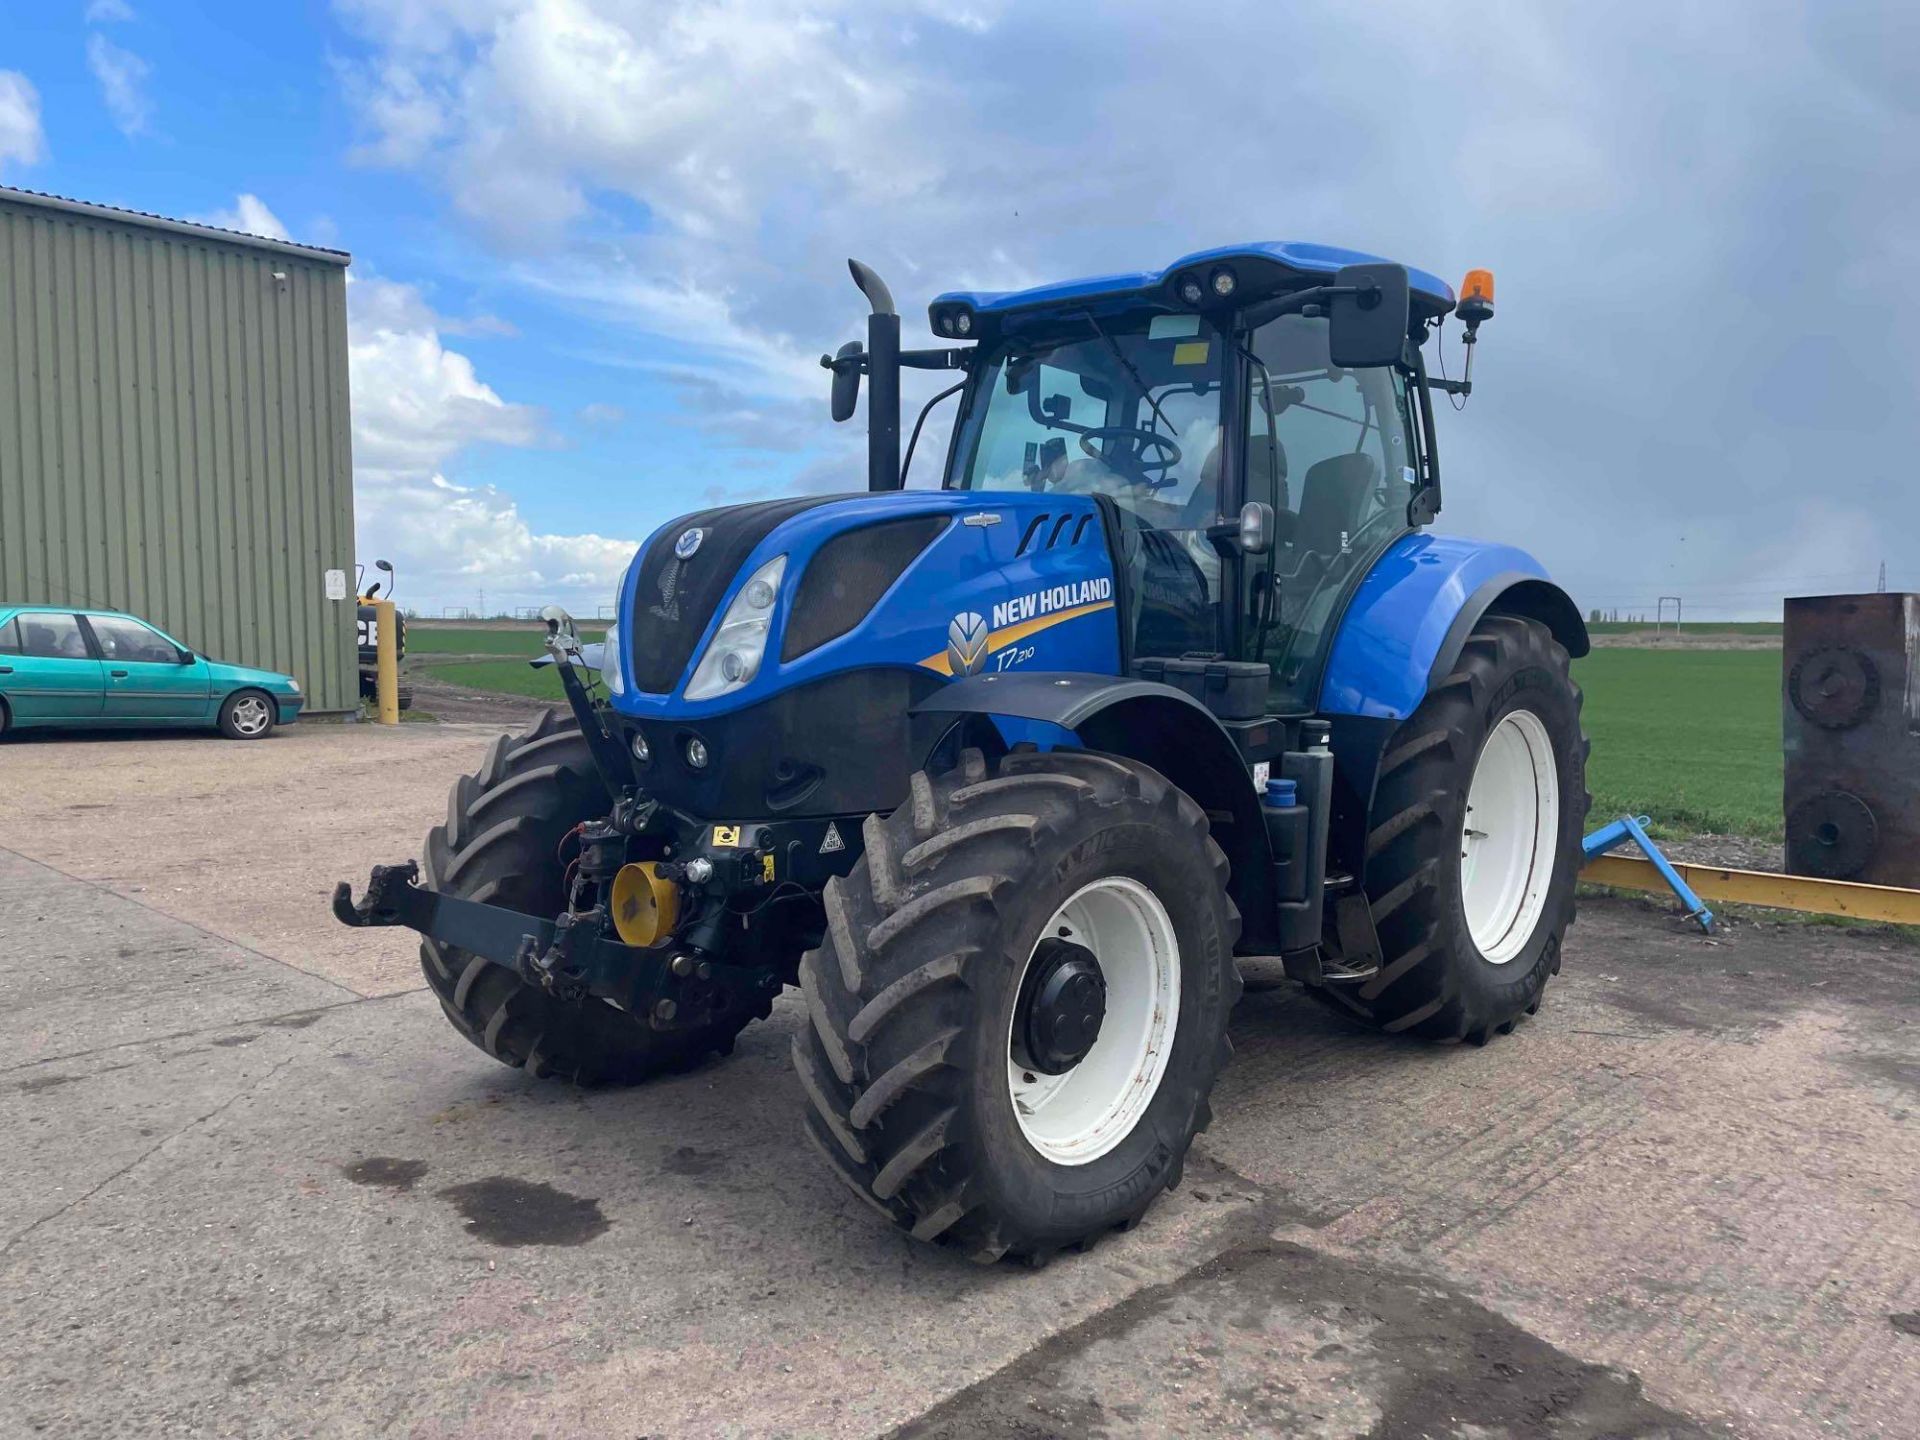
[[386, 688], [1759, 887]]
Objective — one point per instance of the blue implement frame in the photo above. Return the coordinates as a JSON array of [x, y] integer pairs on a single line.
[[1629, 827]]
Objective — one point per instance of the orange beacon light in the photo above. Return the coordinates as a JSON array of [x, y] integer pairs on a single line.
[[1476, 300]]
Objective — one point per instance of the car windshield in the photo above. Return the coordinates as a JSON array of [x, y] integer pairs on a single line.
[[1127, 407]]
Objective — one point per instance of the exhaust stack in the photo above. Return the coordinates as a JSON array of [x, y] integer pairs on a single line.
[[883, 380]]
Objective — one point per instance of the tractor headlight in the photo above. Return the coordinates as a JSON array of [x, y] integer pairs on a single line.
[[611, 675], [733, 656]]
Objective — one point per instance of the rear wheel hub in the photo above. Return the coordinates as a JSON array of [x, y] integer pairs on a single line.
[[1061, 1006]]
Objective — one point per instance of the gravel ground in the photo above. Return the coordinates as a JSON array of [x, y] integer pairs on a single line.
[[257, 1186], [1734, 852]]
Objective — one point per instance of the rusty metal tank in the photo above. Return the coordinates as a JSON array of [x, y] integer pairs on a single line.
[[1850, 712]]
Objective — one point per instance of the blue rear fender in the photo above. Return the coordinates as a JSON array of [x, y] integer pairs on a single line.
[[1401, 635], [1414, 610]]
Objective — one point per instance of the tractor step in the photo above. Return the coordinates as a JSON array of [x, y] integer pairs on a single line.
[[1312, 967], [1346, 975]]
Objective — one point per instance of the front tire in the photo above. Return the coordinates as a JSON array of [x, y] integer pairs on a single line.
[[917, 1063], [247, 715], [1473, 843], [501, 846]]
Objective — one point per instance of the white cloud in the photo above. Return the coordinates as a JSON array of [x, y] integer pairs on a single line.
[[417, 404], [123, 78], [450, 542], [697, 174], [108, 12], [737, 128], [250, 216], [417, 408], [22, 142]]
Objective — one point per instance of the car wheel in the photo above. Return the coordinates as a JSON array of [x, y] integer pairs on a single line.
[[246, 715]]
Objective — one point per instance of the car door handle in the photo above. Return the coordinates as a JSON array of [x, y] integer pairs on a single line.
[[118, 674], [6, 669]]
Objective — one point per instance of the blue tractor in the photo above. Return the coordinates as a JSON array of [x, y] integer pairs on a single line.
[[1005, 775]]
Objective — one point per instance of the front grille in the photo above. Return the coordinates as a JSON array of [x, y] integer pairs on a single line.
[[844, 745], [848, 575]]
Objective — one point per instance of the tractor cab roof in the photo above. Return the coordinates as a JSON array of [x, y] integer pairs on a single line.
[[1260, 268]]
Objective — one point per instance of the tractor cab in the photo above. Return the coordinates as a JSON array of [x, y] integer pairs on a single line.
[[1252, 421]]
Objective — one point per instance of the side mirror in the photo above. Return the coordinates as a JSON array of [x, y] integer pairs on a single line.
[[846, 380], [1368, 328], [560, 628], [186, 655], [1256, 528]]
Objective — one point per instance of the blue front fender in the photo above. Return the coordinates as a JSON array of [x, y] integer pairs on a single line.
[[1414, 610]]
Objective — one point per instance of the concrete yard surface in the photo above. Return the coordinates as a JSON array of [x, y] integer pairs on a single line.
[[256, 1184]]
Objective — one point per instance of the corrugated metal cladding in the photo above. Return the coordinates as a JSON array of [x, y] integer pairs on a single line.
[[174, 433]]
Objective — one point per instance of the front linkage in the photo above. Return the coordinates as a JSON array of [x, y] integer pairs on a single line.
[[656, 936], [571, 957]]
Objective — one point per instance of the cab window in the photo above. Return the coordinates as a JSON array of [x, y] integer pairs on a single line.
[[52, 637], [10, 637], [124, 639], [1332, 451], [1333, 448]]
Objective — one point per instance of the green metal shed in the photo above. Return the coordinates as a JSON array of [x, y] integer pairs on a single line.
[[174, 433]]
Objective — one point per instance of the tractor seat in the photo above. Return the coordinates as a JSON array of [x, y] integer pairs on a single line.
[[1262, 481], [1332, 498]]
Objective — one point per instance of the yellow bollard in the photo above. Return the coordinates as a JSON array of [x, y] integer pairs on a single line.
[[387, 671]]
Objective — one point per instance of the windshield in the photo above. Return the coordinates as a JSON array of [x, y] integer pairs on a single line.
[[1127, 407]]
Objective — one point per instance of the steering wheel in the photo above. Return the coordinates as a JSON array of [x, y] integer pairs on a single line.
[[1135, 456]]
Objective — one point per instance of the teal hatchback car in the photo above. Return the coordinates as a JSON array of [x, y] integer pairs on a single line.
[[92, 669]]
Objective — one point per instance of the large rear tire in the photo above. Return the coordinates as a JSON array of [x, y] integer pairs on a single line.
[[501, 846], [1473, 843], [918, 1061]]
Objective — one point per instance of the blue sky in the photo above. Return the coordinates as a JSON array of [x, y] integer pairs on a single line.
[[599, 243]]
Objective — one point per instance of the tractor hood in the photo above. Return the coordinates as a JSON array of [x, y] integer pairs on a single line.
[[942, 584]]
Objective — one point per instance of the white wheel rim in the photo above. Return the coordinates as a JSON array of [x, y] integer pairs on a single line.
[[1508, 836], [1076, 1117], [250, 716]]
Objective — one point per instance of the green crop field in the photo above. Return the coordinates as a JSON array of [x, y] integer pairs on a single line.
[[476, 640], [502, 677], [1689, 737]]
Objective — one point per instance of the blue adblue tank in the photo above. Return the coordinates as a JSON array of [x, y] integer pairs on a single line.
[[1288, 828]]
